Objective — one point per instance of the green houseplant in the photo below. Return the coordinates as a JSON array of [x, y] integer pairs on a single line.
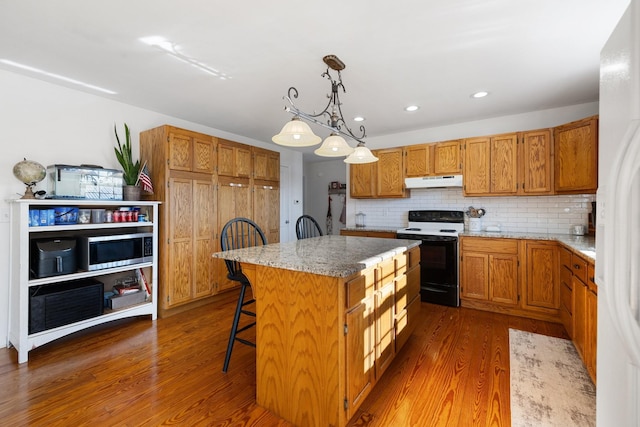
[[130, 169]]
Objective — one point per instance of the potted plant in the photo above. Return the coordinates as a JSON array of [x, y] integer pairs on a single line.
[[130, 169]]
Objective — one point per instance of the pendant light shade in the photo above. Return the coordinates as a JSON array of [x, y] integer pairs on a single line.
[[334, 146], [296, 133], [361, 155]]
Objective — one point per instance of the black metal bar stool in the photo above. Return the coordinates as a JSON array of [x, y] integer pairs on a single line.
[[236, 234], [307, 226]]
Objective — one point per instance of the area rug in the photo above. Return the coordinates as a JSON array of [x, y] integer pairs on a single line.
[[549, 384]]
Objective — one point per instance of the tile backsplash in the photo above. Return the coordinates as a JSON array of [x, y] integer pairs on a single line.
[[534, 214]]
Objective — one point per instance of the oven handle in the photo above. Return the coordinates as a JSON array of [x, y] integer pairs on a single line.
[[430, 289]]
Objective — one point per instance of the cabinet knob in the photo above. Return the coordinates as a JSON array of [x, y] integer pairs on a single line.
[[576, 266]]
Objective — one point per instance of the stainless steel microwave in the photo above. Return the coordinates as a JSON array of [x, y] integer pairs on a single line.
[[114, 250]]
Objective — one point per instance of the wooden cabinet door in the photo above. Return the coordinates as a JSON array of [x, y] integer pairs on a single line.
[[447, 158], [576, 157], [203, 155], [504, 164], [204, 223], [266, 164], [477, 178], [362, 180], [179, 280], [234, 200], [541, 283], [418, 160], [535, 162], [475, 276], [360, 353], [234, 159], [566, 298], [591, 339], [266, 200], [503, 278], [579, 315], [385, 322], [390, 173], [180, 152]]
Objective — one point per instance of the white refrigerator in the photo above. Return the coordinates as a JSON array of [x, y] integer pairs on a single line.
[[618, 226]]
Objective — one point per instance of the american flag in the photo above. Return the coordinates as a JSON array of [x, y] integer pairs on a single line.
[[145, 179]]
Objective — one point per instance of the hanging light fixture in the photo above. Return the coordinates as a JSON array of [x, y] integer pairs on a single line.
[[297, 133]]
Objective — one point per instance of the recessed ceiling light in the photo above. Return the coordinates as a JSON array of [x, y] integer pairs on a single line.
[[480, 94], [412, 108], [358, 119], [57, 76]]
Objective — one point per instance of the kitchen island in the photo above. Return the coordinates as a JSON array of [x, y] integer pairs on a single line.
[[332, 312]]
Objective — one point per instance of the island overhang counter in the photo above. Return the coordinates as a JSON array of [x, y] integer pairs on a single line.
[[331, 314]]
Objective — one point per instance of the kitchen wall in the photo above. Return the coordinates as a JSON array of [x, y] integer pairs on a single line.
[[317, 177], [539, 214], [52, 124]]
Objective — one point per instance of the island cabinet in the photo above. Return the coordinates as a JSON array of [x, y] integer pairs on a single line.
[[440, 158], [381, 179], [182, 165], [489, 272], [326, 332], [576, 157], [368, 233]]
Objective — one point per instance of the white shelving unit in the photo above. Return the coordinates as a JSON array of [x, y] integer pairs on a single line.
[[20, 238]]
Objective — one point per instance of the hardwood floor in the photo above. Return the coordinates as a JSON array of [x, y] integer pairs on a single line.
[[454, 371]]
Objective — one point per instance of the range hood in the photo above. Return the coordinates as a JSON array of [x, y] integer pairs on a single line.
[[434, 181]]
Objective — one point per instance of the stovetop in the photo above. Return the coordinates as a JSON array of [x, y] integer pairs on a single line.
[[434, 223]]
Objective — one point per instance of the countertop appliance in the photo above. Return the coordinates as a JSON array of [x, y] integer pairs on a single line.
[[617, 226], [438, 230]]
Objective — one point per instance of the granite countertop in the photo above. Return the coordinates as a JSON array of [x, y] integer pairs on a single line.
[[583, 245], [336, 256]]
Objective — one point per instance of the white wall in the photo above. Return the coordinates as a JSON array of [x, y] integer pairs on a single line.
[[540, 211], [51, 124], [318, 176]]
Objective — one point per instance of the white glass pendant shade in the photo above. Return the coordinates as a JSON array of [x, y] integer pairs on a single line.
[[334, 146], [361, 155], [296, 133]]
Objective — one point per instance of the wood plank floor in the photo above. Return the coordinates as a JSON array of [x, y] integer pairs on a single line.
[[454, 371]]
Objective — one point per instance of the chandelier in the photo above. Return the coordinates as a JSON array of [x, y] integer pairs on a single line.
[[297, 133]]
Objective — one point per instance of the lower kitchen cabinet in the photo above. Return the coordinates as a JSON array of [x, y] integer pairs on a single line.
[[489, 270], [582, 297], [541, 288], [368, 233]]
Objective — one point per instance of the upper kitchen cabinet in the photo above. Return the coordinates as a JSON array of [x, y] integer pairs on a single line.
[[536, 167], [441, 158], [447, 158], [266, 164], [189, 151], [576, 156], [490, 165], [381, 179], [390, 173], [418, 160], [234, 159]]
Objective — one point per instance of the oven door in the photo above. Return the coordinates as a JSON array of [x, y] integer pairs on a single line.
[[438, 269]]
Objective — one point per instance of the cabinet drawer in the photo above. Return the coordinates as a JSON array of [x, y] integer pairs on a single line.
[[355, 290], [413, 257], [407, 288], [565, 277], [500, 246], [579, 268], [565, 257], [386, 272], [406, 322]]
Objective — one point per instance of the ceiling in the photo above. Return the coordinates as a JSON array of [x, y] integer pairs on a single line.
[[529, 55]]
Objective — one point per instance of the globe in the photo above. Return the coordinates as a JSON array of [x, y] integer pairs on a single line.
[[30, 173]]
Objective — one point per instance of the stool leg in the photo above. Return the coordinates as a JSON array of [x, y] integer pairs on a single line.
[[234, 328]]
